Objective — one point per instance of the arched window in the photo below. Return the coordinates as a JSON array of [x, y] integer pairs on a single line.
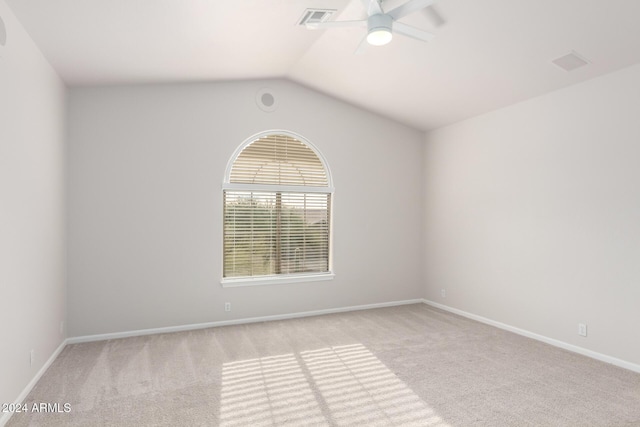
[[277, 212]]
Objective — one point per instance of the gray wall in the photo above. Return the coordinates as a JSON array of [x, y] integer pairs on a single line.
[[532, 214], [146, 164], [32, 296]]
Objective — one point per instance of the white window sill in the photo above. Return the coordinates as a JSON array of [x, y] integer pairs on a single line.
[[275, 280]]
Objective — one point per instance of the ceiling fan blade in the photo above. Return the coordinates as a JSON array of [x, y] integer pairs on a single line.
[[372, 7], [409, 7], [336, 24], [362, 46], [409, 31]]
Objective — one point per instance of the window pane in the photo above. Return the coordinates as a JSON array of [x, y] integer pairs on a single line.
[[269, 233], [305, 233], [249, 234], [278, 160]]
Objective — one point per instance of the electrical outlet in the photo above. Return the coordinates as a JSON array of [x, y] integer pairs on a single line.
[[443, 293], [62, 327], [32, 357], [227, 306], [582, 329]]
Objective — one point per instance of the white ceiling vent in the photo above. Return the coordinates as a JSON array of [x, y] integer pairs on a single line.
[[570, 61], [315, 16]]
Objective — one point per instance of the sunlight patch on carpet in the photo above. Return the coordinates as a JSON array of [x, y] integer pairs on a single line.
[[267, 391], [341, 385], [359, 389]]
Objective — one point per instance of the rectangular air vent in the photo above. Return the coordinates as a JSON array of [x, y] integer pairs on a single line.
[[570, 61], [315, 16]]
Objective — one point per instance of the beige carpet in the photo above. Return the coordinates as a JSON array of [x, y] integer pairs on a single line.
[[409, 365]]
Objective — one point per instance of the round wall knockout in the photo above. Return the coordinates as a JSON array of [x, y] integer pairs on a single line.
[[266, 100], [3, 33]]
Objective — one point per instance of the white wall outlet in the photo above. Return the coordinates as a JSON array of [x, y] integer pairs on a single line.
[[443, 293], [227, 306], [32, 357], [582, 329], [62, 327]]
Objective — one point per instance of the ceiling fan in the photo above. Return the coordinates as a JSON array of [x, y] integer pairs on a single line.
[[382, 25]]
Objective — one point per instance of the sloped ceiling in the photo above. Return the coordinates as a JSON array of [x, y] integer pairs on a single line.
[[487, 54]]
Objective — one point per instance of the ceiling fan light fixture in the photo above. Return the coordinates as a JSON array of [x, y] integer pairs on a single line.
[[379, 29], [379, 36]]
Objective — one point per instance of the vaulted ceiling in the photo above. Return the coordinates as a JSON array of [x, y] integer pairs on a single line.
[[487, 54]]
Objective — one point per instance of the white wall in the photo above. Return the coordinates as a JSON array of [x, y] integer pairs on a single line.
[[146, 164], [32, 293], [533, 215]]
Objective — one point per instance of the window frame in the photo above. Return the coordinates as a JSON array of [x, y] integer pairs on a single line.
[[228, 282]]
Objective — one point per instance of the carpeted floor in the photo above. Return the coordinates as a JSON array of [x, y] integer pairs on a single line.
[[408, 365]]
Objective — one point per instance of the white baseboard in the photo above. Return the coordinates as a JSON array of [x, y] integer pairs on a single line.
[[169, 329], [4, 419], [554, 342]]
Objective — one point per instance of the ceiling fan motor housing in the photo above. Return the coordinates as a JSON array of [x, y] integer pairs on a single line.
[[379, 23]]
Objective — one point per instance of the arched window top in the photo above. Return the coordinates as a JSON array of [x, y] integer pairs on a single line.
[[278, 158], [277, 212]]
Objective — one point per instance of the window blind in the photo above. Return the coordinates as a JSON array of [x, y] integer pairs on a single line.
[[271, 233], [278, 160]]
